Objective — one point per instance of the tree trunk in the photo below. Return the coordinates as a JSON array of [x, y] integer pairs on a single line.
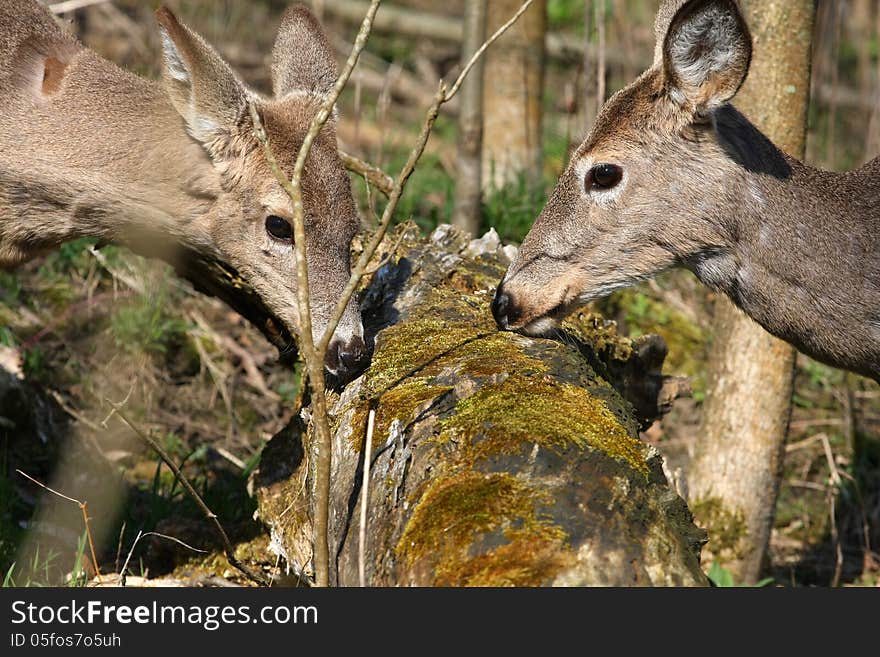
[[496, 459], [468, 187], [512, 95], [734, 478]]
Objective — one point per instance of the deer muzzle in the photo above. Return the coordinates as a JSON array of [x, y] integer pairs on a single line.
[[347, 358]]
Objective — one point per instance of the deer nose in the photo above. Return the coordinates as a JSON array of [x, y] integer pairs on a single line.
[[347, 359], [501, 308]]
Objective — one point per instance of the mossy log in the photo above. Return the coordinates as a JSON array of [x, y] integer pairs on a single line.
[[496, 459]]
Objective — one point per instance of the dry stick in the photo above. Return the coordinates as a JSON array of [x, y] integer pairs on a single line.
[[82, 507], [314, 355], [832, 492], [365, 495], [210, 515]]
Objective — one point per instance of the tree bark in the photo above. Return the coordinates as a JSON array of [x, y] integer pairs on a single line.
[[734, 478], [496, 459], [512, 95], [468, 186]]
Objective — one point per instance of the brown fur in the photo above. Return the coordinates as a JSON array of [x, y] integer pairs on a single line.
[[796, 248], [92, 150]]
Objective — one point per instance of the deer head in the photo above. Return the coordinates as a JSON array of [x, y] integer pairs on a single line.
[[249, 218], [647, 189]]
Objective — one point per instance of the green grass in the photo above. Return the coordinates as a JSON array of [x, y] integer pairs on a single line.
[[149, 324]]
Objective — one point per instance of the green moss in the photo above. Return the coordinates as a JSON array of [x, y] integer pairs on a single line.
[[600, 334], [458, 519], [508, 417], [398, 403], [405, 348], [494, 354]]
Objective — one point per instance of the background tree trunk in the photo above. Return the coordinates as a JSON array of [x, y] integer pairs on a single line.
[[734, 478], [496, 459], [468, 186], [512, 94]]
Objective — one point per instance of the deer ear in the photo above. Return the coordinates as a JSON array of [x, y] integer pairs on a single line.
[[202, 87], [706, 53], [302, 59]]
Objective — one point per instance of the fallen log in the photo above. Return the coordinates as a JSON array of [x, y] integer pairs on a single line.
[[496, 459]]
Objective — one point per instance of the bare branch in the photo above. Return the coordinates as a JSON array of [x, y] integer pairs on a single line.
[[373, 174], [314, 358], [210, 515], [83, 506]]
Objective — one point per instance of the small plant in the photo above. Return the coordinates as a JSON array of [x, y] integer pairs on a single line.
[[79, 576], [38, 572], [723, 578]]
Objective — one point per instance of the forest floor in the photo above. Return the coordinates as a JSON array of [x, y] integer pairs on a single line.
[[87, 328]]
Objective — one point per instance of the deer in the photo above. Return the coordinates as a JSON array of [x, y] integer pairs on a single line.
[[672, 175], [173, 168]]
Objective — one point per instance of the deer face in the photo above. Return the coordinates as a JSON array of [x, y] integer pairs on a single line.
[[250, 220], [642, 192]]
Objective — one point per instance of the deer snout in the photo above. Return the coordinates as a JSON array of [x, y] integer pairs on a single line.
[[505, 312], [347, 358]]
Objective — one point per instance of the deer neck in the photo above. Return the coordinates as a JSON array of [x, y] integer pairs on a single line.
[[798, 248], [119, 166]]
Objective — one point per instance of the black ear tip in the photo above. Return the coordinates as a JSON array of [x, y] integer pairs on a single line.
[[166, 17]]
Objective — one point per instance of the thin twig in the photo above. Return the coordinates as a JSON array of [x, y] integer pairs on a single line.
[[442, 96], [373, 174], [83, 506], [313, 357], [829, 456], [140, 535], [835, 538], [387, 257], [210, 515], [365, 498]]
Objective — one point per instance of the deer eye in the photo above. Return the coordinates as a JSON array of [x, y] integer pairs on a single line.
[[279, 228], [604, 176]]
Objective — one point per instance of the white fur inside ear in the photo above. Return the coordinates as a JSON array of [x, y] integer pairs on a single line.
[[173, 60], [203, 128], [704, 45]]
